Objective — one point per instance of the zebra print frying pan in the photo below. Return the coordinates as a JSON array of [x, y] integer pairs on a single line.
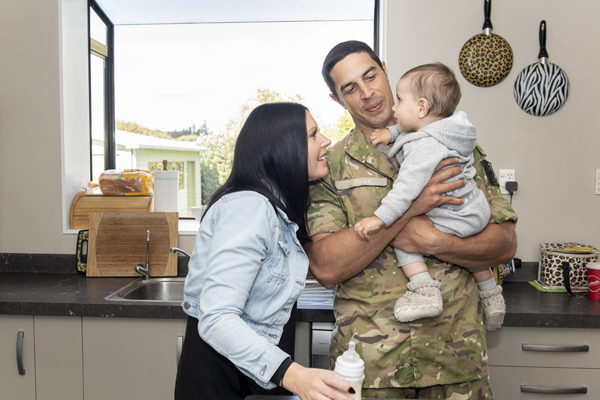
[[542, 87]]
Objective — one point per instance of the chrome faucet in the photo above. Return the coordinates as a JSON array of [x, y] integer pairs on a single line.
[[176, 249], [140, 267]]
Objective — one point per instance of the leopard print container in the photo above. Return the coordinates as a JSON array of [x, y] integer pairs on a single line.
[[550, 271], [485, 60]]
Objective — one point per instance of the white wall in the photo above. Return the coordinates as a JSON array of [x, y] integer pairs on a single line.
[[556, 156], [30, 144]]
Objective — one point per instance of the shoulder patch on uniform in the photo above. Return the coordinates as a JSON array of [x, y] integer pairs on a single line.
[[489, 171]]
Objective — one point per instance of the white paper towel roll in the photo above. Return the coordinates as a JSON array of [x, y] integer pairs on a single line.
[[166, 188]]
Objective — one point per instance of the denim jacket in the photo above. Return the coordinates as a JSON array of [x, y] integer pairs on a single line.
[[246, 271]]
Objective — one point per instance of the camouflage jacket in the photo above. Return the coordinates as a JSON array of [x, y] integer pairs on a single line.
[[447, 349]]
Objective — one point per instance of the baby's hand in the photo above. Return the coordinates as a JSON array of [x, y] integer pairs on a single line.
[[381, 136], [368, 225]]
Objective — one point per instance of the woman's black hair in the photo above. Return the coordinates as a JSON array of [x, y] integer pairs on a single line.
[[270, 158]]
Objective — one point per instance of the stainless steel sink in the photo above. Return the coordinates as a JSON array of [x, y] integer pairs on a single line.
[[155, 290], [170, 291]]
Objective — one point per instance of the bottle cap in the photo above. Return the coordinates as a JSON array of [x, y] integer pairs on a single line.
[[350, 364]]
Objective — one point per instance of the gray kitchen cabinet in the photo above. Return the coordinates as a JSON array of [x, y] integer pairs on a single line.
[[15, 385], [130, 358], [537, 363], [58, 358], [51, 357]]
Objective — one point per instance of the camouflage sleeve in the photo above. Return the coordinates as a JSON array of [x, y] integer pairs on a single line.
[[501, 210], [326, 212]]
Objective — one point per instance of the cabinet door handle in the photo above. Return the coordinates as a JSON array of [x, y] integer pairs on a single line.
[[559, 349], [20, 336], [550, 390], [179, 347]]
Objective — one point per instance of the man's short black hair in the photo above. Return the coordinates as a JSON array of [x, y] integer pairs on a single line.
[[338, 53]]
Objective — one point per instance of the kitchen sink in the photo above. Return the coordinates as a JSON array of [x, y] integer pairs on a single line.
[[155, 290], [170, 291]]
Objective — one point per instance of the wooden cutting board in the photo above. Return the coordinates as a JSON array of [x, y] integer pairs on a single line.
[[117, 243]]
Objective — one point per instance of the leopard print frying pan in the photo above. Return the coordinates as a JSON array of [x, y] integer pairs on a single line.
[[487, 58], [542, 87]]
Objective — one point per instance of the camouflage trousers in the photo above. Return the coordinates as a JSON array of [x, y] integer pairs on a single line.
[[474, 390]]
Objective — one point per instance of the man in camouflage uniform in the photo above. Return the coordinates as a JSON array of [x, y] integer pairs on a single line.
[[440, 357]]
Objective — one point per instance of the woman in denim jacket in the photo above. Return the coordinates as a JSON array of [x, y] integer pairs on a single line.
[[248, 267]]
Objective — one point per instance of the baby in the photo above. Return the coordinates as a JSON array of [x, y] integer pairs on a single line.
[[429, 131]]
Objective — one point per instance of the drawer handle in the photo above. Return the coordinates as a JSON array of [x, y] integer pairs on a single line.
[[558, 349], [549, 390], [20, 336]]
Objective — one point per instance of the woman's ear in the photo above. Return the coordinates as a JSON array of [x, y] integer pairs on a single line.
[[423, 107]]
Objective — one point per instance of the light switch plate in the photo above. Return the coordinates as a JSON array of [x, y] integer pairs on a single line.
[[597, 182]]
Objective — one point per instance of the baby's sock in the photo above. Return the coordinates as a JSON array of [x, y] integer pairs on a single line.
[[422, 275], [489, 284]]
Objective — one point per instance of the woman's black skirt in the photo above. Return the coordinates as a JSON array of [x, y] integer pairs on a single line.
[[204, 374]]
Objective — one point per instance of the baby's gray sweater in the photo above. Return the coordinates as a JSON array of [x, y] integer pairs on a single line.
[[420, 153]]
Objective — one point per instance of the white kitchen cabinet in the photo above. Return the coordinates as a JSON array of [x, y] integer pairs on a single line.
[[130, 358], [58, 358], [51, 358], [532, 363], [15, 385]]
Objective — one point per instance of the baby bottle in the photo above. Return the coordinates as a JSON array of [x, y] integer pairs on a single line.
[[351, 369]]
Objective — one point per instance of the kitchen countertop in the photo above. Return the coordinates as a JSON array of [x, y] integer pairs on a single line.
[[76, 295]]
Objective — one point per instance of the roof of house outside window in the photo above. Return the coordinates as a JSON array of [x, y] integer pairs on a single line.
[[129, 140]]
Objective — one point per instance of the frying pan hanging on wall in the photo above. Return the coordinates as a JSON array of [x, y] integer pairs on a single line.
[[542, 87], [487, 58]]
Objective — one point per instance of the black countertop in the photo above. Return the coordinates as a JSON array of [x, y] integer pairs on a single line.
[[76, 295], [73, 294]]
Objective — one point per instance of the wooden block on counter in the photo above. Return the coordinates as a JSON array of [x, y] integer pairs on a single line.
[[84, 204], [117, 243]]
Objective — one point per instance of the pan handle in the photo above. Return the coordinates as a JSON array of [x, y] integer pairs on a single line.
[[487, 11], [543, 52]]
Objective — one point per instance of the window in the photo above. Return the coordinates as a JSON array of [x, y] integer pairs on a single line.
[[186, 75]]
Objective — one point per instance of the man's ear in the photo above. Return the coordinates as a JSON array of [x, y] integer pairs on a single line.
[[423, 107], [384, 67], [334, 98]]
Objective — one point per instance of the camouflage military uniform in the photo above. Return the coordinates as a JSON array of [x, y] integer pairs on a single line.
[[443, 350]]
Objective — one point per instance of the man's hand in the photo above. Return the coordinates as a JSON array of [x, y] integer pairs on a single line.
[[432, 195]]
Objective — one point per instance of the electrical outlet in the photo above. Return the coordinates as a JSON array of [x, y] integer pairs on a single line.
[[597, 183], [505, 175]]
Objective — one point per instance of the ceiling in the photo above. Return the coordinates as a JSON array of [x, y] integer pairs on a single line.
[[144, 12]]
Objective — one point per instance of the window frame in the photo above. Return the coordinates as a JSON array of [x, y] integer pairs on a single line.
[[106, 52]]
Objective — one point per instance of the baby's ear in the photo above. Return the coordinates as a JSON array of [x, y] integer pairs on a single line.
[[423, 109]]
